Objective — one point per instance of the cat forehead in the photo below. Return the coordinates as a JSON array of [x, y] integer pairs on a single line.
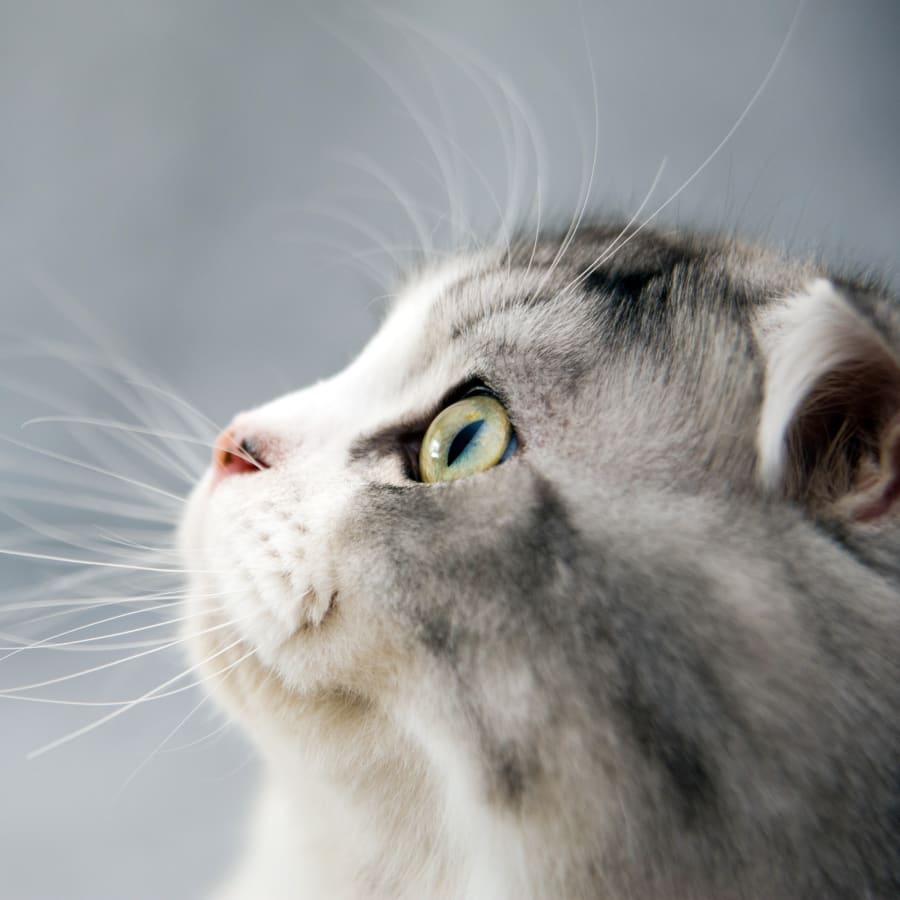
[[495, 295], [547, 315], [592, 289], [600, 261]]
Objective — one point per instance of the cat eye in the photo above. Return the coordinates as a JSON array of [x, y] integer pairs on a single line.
[[469, 436]]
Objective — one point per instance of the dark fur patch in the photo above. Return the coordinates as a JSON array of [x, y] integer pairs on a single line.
[[669, 697], [437, 635], [661, 739], [620, 283], [549, 526], [892, 864], [509, 779]]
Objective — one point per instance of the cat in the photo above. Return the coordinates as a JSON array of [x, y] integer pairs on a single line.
[[581, 581]]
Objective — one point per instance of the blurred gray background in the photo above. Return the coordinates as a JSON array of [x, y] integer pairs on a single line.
[[214, 194]]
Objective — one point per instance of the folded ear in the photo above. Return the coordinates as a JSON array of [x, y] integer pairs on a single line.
[[829, 431]]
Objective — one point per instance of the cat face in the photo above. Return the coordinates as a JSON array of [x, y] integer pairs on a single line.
[[606, 629], [335, 533]]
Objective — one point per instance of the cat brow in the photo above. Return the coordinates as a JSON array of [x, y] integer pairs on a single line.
[[392, 438], [385, 441]]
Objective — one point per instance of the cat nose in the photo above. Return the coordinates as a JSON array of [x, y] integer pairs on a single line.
[[234, 453]]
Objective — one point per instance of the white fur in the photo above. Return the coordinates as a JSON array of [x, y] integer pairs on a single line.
[[308, 434], [264, 540]]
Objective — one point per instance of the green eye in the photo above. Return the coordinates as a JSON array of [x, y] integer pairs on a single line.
[[469, 436]]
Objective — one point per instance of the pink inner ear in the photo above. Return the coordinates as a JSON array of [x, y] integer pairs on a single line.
[[876, 502]]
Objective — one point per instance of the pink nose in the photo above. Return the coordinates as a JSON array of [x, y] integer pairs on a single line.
[[234, 454]]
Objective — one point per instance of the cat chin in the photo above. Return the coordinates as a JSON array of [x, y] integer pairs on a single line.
[[273, 648], [298, 703]]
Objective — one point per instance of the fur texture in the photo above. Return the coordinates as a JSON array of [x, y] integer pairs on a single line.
[[642, 658]]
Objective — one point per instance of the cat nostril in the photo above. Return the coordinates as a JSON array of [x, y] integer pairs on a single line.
[[234, 453]]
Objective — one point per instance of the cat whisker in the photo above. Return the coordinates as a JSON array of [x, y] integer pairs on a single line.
[[193, 711], [119, 426], [450, 175], [176, 401], [612, 248], [148, 697], [170, 459], [174, 460], [360, 260], [23, 642], [88, 645], [483, 75], [31, 644], [64, 608], [81, 579], [62, 679], [53, 643], [50, 454], [236, 770], [462, 156], [118, 540], [776, 62], [82, 602], [587, 190], [217, 732], [102, 564], [58, 402], [345, 255], [517, 104], [368, 166], [92, 370], [86, 503], [69, 307], [60, 536], [144, 698], [363, 227], [40, 471]]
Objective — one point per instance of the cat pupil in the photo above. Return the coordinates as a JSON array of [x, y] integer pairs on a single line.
[[463, 438]]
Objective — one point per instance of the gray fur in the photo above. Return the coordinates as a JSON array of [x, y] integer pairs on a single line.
[[667, 681]]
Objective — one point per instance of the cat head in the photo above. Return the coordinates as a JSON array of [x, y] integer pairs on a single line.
[[581, 594], [317, 529]]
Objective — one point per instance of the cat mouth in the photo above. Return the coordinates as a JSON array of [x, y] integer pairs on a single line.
[[311, 625], [259, 629]]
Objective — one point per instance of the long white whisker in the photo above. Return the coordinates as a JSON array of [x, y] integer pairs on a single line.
[[91, 468], [100, 667], [53, 644], [78, 316], [119, 426], [86, 502], [91, 601], [147, 696], [204, 700], [614, 244], [363, 226], [42, 529], [579, 216], [94, 372], [88, 365], [49, 557], [406, 201], [118, 540], [218, 730], [79, 607], [718, 148], [178, 401], [450, 178]]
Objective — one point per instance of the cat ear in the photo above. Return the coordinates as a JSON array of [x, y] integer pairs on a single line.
[[829, 431]]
